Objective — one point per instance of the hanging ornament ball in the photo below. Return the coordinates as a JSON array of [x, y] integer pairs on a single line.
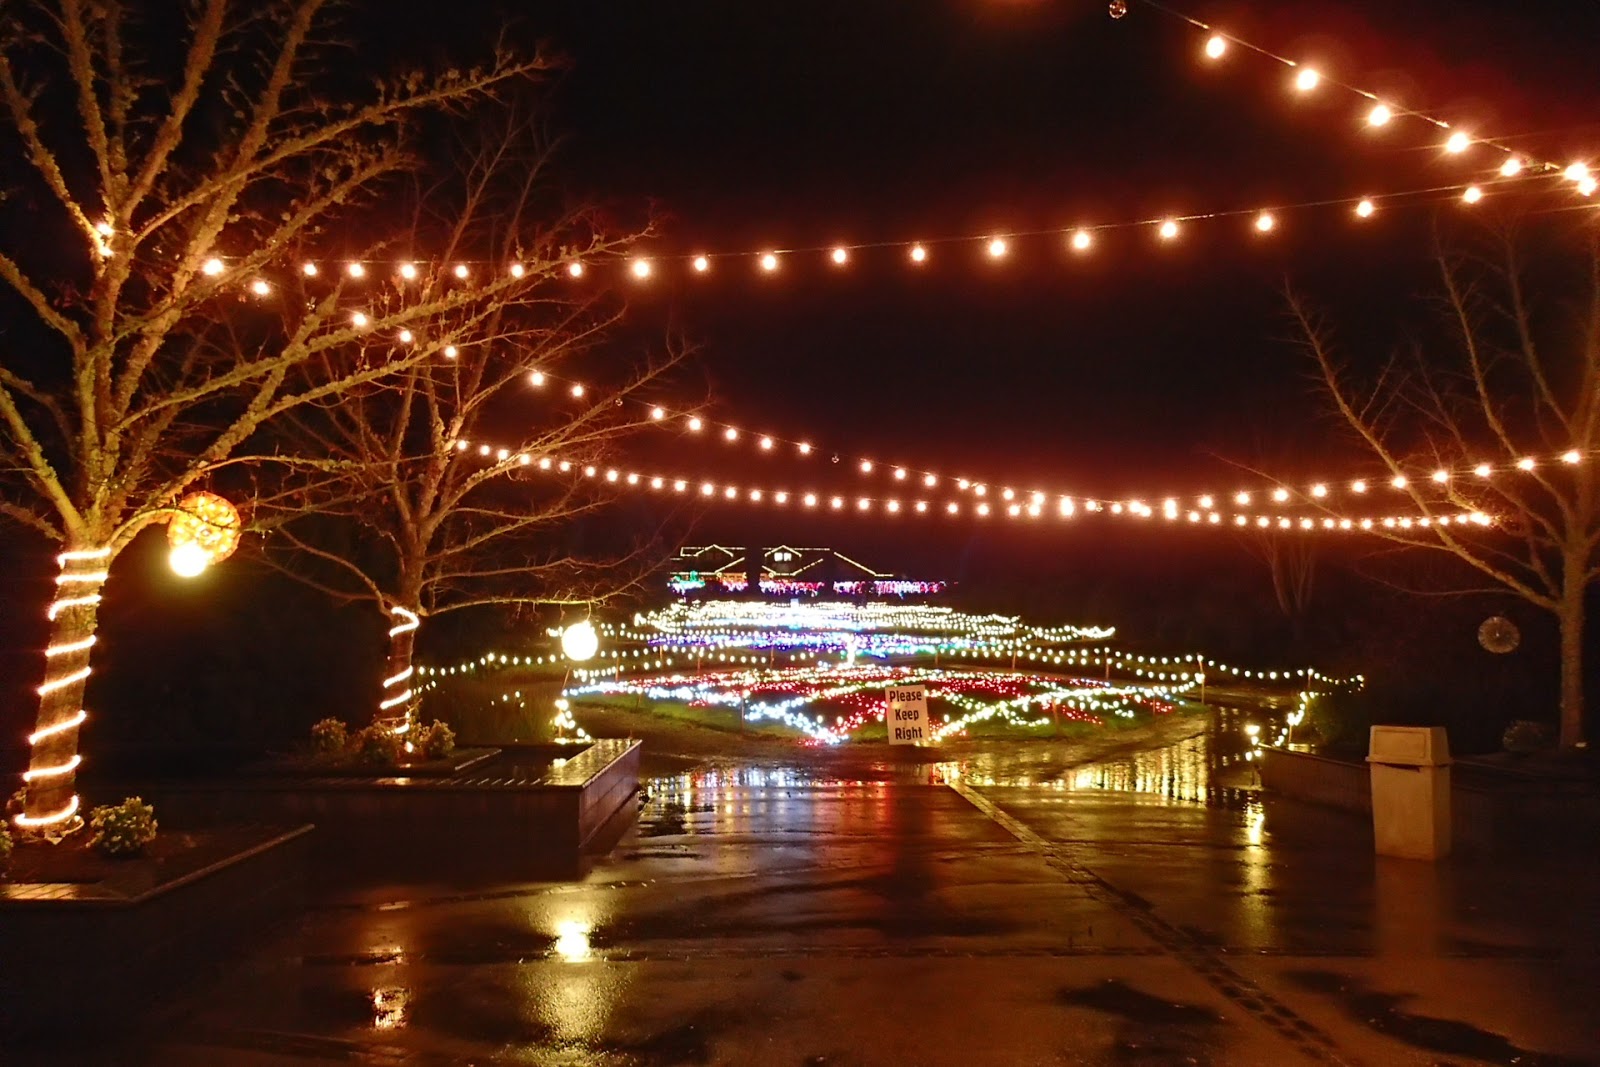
[[205, 531], [1499, 635], [1118, 8], [579, 641]]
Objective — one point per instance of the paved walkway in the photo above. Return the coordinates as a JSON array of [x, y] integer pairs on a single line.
[[1129, 912]]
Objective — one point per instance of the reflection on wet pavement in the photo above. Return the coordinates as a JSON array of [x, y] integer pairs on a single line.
[[1142, 907]]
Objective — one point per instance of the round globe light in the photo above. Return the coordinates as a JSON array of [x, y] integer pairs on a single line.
[[580, 641], [188, 560]]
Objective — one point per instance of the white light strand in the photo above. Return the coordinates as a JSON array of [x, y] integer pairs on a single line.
[[62, 682], [1383, 110], [53, 818], [1077, 239], [51, 772], [412, 621], [1316, 494], [70, 647], [59, 728], [1063, 508]]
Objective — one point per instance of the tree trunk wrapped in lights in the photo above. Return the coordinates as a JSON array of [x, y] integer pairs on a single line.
[[52, 808], [1522, 381], [185, 311], [398, 705]]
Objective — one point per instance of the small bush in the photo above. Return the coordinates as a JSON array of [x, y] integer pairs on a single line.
[[434, 742], [1525, 736], [329, 737], [5, 849], [123, 829], [377, 745]]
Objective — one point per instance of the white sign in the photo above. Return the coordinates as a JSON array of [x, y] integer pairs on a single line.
[[906, 715]]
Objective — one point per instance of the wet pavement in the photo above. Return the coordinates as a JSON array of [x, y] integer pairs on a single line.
[[1005, 908]]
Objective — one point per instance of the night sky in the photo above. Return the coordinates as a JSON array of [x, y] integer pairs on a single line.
[[1130, 370], [1139, 368]]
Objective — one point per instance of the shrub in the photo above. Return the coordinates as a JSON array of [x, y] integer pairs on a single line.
[[329, 737], [436, 741], [5, 849], [1525, 736], [123, 829], [377, 745]]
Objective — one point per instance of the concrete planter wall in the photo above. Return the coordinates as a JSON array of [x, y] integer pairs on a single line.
[[537, 828], [76, 957]]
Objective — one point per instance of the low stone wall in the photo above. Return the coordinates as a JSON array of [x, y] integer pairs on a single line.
[[507, 826], [1316, 779], [1484, 814], [91, 956]]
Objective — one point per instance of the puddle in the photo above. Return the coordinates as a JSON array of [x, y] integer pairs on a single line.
[[1386, 1014]]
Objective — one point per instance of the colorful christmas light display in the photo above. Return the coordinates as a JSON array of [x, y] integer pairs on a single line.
[[797, 697], [821, 668]]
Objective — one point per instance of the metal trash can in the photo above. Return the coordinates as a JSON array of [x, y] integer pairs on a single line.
[[1410, 768]]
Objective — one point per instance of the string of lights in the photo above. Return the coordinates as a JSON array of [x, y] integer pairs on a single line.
[[994, 248], [1381, 112], [1037, 506], [1195, 507]]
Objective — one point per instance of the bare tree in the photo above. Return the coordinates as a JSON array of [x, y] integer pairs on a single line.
[[458, 475], [1506, 405], [171, 190], [1292, 564]]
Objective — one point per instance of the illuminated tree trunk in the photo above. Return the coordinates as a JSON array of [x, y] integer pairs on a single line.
[[397, 707], [1570, 615], [50, 807]]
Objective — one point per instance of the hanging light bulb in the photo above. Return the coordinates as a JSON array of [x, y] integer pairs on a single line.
[[1379, 115], [261, 287], [575, 269], [356, 270], [997, 247], [212, 267], [701, 264], [1472, 194], [580, 641], [1458, 143], [918, 254], [1081, 240], [769, 262], [461, 271], [1216, 45], [1365, 209], [408, 271], [1511, 167], [841, 256], [641, 268], [1169, 229], [1265, 222], [1307, 80]]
